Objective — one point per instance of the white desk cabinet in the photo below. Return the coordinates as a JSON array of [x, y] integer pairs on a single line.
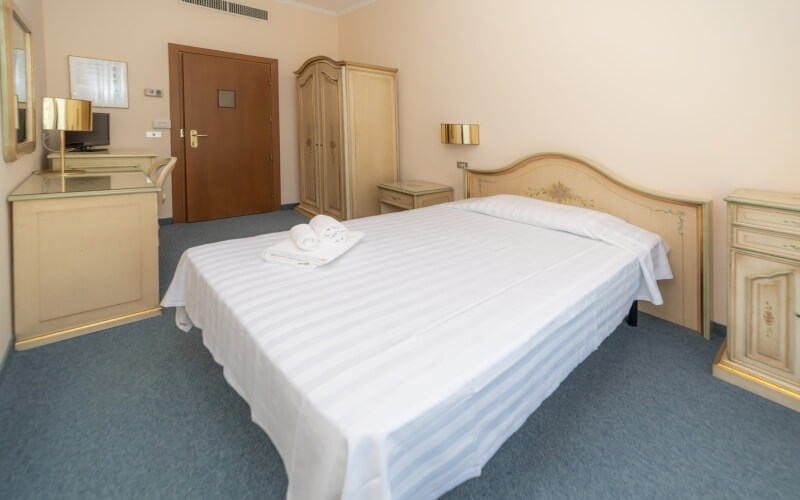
[[762, 350], [85, 254], [132, 159]]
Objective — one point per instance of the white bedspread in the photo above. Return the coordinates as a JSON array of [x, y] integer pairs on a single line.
[[399, 369]]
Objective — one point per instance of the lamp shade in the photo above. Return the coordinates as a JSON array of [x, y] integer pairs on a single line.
[[66, 114], [458, 133]]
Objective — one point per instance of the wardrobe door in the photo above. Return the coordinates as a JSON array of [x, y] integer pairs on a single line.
[[372, 136], [332, 170], [307, 138]]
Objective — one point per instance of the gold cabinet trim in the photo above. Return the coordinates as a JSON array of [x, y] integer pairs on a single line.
[[721, 363], [77, 331]]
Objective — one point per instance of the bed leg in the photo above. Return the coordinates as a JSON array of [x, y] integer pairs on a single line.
[[633, 314]]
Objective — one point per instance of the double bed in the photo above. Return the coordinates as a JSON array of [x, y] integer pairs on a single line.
[[399, 369]]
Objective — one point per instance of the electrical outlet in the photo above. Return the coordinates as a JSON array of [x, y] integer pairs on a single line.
[[462, 164], [162, 123], [153, 133]]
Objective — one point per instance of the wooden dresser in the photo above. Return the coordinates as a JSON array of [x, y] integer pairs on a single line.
[[762, 349], [347, 129]]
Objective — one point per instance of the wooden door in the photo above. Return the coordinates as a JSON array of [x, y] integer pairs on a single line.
[[331, 160], [232, 168]]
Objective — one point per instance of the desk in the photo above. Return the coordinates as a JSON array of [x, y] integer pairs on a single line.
[[132, 159], [85, 254]]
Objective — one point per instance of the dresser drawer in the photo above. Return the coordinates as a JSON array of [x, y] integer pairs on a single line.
[[767, 242], [394, 198], [766, 218]]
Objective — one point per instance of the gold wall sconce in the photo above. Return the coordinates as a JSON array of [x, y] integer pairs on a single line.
[[459, 133]]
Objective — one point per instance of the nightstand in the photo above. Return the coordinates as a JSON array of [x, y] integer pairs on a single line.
[[761, 352], [405, 195]]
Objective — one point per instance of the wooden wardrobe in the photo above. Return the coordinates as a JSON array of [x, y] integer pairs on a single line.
[[347, 132]]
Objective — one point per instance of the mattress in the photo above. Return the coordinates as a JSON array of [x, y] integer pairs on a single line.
[[399, 369]]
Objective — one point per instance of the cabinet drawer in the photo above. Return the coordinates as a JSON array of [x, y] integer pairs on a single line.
[[766, 218], [782, 245], [428, 200], [394, 198]]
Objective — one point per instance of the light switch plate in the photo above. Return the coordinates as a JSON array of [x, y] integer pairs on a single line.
[[162, 124], [153, 133]]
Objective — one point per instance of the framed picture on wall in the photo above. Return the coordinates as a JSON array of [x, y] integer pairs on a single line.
[[103, 82]]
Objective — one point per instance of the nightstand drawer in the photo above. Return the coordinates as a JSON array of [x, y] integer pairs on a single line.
[[767, 242], [394, 198], [766, 218]]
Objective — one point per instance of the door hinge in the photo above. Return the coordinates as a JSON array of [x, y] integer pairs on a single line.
[[273, 196], [181, 132]]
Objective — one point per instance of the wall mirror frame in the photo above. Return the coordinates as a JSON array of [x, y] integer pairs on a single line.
[[16, 85]]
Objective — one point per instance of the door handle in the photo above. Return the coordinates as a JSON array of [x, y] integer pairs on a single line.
[[193, 135]]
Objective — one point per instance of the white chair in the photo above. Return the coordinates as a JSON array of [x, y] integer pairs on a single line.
[[159, 171]]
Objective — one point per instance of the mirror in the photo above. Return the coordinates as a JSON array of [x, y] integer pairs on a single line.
[[16, 86]]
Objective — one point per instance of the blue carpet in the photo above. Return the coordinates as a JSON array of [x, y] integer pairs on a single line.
[[142, 411]]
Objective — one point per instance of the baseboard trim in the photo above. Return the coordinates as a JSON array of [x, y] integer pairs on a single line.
[[3, 361], [168, 220]]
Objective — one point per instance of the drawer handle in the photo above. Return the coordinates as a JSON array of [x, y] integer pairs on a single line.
[[395, 198]]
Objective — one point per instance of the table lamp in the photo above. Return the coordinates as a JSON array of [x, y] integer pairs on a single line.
[[66, 114]]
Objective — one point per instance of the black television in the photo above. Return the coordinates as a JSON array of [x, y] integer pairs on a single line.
[[100, 135]]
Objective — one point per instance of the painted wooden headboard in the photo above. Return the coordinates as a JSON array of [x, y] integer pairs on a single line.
[[682, 222]]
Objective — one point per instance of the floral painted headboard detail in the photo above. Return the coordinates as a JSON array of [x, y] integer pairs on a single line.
[[682, 222], [559, 193]]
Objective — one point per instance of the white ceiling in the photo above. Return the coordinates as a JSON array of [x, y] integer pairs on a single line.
[[331, 7]]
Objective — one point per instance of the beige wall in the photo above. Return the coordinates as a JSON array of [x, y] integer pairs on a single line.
[[138, 33], [693, 97], [12, 174]]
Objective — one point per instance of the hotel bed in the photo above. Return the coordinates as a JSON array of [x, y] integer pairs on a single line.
[[399, 369]]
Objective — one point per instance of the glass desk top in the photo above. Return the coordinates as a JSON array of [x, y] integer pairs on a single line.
[[38, 186]]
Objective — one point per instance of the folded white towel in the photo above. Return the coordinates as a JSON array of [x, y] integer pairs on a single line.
[[328, 228], [286, 252], [304, 237]]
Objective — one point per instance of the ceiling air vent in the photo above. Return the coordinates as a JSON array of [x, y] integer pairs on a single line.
[[231, 8]]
